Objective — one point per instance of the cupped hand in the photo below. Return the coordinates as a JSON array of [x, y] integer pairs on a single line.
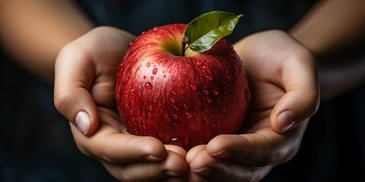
[[84, 94], [284, 95]]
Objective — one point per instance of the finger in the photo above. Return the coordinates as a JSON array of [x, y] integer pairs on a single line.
[[173, 165], [201, 161], [265, 147], [205, 167], [71, 92], [193, 152], [177, 149], [301, 98], [114, 147]]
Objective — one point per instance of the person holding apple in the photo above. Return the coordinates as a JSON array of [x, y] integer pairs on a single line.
[[82, 59]]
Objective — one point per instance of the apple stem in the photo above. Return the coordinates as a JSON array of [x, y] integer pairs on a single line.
[[184, 42]]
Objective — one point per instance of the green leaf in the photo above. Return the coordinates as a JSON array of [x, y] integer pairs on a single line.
[[207, 29]]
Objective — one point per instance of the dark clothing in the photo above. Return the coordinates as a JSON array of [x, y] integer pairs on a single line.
[[36, 142], [140, 15]]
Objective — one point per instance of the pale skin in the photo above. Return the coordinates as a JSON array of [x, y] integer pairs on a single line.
[[84, 84]]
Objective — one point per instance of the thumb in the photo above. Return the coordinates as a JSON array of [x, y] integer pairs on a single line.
[[301, 98], [71, 90]]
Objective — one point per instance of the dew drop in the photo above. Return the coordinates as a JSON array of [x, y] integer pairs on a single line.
[[152, 77], [193, 87], [172, 100], [188, 115], [215, 92], [149, 114], [154, 71], [150, 108], [175, 116], [148, 86], [176, 108], [181, 84], [174, 139], [206, 92], [144, 77], [148, 64], [131, 43]]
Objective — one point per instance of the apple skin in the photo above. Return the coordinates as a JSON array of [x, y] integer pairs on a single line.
[[181, 100]]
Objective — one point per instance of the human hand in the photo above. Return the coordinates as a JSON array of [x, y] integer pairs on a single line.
[[84, 94], [284, 94]]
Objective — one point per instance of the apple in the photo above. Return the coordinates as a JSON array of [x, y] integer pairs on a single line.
[[178, 95]]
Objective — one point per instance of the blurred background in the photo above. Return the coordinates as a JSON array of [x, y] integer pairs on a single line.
[[36, 143]]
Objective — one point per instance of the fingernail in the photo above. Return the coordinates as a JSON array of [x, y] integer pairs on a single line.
[[285, 121], [82, 121]]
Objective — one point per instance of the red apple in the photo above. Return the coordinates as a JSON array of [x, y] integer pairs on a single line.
[[180, 98]]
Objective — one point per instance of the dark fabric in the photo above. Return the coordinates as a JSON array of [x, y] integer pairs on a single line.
[[139, 15], [333, 147], [36, 142]]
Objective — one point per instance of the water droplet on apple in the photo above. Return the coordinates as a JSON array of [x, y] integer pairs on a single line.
[[193, 87], [206, 92], [164, 75], [150, 107], [215, 92], [148, 86], [174, 139], [210, 78], [172, 100], [148, 64], [149, 114], [209, 100], [154, 29], [173, 92], [181, 84], [154, 71], [176, 108], [152, 77], [144, 77], [188, 115], [175, 116]]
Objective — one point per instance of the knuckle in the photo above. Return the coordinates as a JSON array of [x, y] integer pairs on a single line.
[[61, 97]]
